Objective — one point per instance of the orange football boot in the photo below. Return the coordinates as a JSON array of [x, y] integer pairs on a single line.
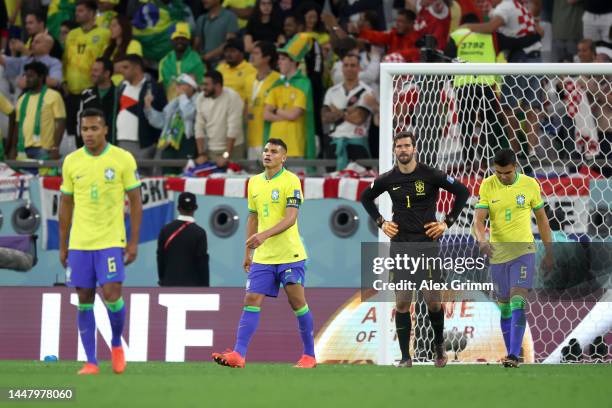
[[118, 359], [229, 358], [89, 369], [306, 361]]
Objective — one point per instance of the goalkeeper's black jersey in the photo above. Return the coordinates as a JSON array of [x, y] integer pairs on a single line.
[[414, 196]]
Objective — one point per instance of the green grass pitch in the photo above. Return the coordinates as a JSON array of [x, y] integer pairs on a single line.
[[174, 385]]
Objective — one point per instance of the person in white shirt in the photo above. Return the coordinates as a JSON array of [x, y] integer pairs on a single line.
[[218, 126], [348, 115]]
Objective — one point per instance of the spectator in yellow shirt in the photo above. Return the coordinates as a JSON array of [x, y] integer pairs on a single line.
[[83, 46], [235, 69], [41, 118], [263, 58], [8, 109]]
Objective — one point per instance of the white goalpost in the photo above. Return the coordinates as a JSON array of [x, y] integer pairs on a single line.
[[558, 118]]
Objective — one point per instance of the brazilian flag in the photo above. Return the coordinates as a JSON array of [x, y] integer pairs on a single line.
[[153, 24], [59, 11]]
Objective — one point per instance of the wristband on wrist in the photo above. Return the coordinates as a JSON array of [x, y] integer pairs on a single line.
[[380, 221]]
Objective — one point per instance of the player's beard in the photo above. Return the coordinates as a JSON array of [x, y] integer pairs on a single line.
[[405, 158]]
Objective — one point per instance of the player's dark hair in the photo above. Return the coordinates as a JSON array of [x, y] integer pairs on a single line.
[[215, 76], [268, 49], [409, 14], [403, 135], [39, 15], [92, 113], [133, 59], [278, 142], [90, 4], [38, 67], [504, 157], [106, 63], [470, 18]]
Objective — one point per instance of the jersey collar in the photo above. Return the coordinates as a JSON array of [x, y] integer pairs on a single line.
[[274, 176], [103, 151]]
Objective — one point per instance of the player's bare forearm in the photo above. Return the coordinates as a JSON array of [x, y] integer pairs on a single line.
[[251, 228], [479, 224], [65, 220], [367, 200], [544, 228], [288, 220], [135, 214], [290, 114]]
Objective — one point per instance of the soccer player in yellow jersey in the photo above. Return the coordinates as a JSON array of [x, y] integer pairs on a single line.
[[95, 179], [508, 198], [274, 198]]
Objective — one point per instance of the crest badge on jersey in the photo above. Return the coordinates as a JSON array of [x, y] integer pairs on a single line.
[[520, 200], [109, 174], [275, 195], [419, 185]]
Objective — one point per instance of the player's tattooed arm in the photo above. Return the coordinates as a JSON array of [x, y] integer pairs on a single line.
[[131, 250], [251, 228], [479, 230], [288, 220], [546, 234], [65, 219]]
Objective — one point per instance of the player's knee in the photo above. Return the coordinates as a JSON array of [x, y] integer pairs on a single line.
[[86, 296], [253, 299], [402, 307], [517, 302], [504, 309]]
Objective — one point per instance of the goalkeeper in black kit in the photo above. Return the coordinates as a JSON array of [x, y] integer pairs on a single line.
[[413, 188]]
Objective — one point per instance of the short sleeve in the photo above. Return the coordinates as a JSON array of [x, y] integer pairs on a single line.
[[483, 196], [327, 100], [502, 12], [536, 199], [5, 106], [293, 193], [250, 201], [67, 187], [59, 109], [300, 100], [131, 179]]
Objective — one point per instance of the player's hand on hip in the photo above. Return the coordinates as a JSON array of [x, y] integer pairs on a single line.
[[131, 250], [434, 230], [390, 228], [255, 240], [485, 248], [63, 255]]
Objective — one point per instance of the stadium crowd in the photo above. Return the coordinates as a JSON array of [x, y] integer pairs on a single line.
[[212, 80]]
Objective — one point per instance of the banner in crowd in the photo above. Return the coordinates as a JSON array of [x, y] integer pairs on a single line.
[[187, 324], [157, 209], [14, 187]]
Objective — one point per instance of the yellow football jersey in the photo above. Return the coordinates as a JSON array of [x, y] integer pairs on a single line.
[[80, 53], [510, 208], [98, 184], [236, 77], [293, 132], [269, 198], [256, 95]]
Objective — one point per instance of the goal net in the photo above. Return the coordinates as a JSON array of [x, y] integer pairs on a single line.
[[558, 118]]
